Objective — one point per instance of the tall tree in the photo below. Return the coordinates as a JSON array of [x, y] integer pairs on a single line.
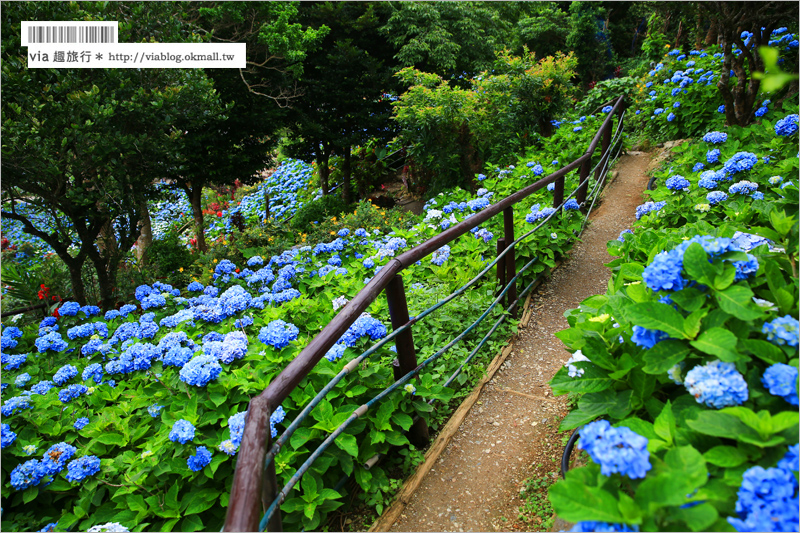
[[344, 86], [85, 145], [734, 18]]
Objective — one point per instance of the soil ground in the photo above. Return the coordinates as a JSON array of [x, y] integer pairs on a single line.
[[508, 437]]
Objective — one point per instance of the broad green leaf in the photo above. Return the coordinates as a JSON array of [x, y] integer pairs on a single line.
[[112, 438], [764, 350], [623, 406], [136, 502], [329, 494], [784, 420], [383, 416], [689, 299], [631, 512], [665, 355], [576, 502], [720, 424], [402, 420], [736, 301], [596, 351], [637, 293], [725, 456], [696, 264], [309, 488], [201, 501], [631, 271], [218, 398], [309, 509], [396, 438], [758, 422], [655, 315], [348, 443], [192, 523], [301, 436], [719, 342], [689, 463], [594, 379], [698, 517], [664, 425], [663, 490], [575, 419], [724, 280]]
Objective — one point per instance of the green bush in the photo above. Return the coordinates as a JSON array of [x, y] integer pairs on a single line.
[[167, 257], [317, 211]]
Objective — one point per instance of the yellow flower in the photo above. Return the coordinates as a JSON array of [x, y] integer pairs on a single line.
[[215, 260], [333, 233], [666, 46], [180, 269]]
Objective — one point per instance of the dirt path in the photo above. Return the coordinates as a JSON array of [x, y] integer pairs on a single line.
[[508, 437]]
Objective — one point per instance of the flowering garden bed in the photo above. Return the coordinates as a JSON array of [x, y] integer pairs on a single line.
[[687, 366]]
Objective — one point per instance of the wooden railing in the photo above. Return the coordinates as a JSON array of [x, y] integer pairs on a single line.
[[255, 484]]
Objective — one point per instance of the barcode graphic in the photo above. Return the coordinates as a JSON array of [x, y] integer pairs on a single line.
[[72, 34]]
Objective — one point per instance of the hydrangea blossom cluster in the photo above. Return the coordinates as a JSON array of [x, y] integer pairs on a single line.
[[767, 499], [200, 370], [602, 526], [740, 162], [715, 137], [712, 156], [782, 331], [83, 467], [678, 183], [649, 207], [717, 384], [7, 437], [441, 255], [538, 213], [786, 126], [647, 338], [781, 380], [715, 197], [616, 450], [571, 204], [199, 460], [278, 334], [182, 431]]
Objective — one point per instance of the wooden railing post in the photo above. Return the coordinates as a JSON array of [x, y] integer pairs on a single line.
[[511, 265], [406, 353], [558, 192], [270, 489], [604, 150], [501, 266], [580, 196]]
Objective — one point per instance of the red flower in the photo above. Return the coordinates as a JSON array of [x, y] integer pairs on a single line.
[[219, 213], [55, 313], [237, 270]]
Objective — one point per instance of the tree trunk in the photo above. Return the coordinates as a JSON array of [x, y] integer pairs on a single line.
[[711, 36], [322, 157], [346, 171], [78, 290], [145, 233], [195, 198]]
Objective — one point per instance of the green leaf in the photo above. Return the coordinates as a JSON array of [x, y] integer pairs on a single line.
[[309, 509], [664, 425], [623, 406], [348, 443], [764, 350], [663, 490], [724, 280], [309, 488], [396, 438], [201, 501], [136, 502], [784, 420], [655, 315], [698, 517], [631, 271], [301, 436], [574, 419], [30, 494], [218, 398], [576, 502], [736, 300], [696, 264], [192, 523], [719, 424], [637, 293], [719, 342], [112, 438], [383, 416], [689, 299], [596, 351], [665, 355], [725, 456], [689, 463], [594, 379], [402, 420]]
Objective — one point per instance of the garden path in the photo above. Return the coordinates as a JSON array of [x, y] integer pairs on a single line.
[[508, 437]]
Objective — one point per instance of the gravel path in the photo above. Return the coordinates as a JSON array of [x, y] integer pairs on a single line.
[[508, 437]]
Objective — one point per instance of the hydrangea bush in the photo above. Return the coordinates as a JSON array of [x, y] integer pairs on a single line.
[[687, 374]]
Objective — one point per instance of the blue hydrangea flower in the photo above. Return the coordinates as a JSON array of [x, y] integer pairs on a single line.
[[56, 457], [93, 371], [83, 467], [200, 370], [64, 374], [616, 450], [22, 380], [195, 286], [712, 156], [791, 461], [441, 255], [622, 233], [717, 384], [43, 387], [15, 403], [70, 393], [698, 167], [607, 109], [198, 461], [81, 423], [740, 162], [786, 126], [69, 309], [572, 203], [746, 269], [182, 431], [649, 207], [670, 117], [7, 437], [647, 338], [782, 331], [154, 410], [715, 197], [761, 111], [721, 109], [767, 501], [51, 341], [715, 137], [781, 380], [678, 183], [15, 360], [278, 334], [27, 474]]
